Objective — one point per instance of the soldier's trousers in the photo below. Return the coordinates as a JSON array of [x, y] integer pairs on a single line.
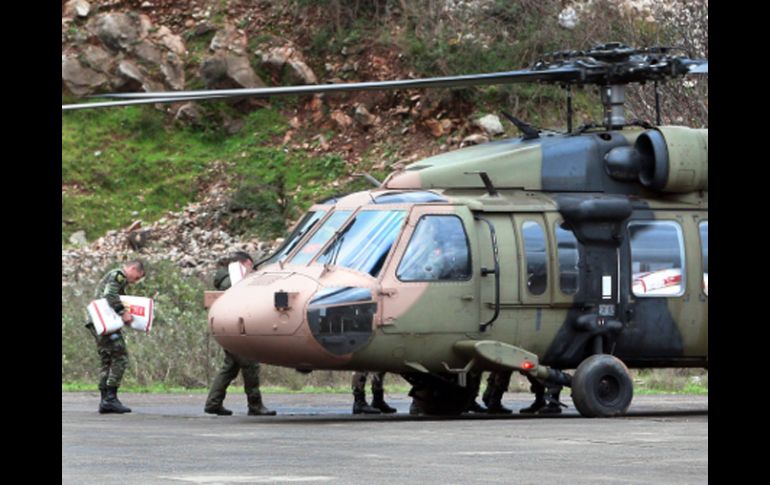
[[228, 372], [498, 380], [114, 357], [359, 382]]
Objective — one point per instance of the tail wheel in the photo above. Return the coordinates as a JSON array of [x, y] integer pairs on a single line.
[[602, 387]]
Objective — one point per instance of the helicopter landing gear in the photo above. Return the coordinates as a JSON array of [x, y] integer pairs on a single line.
[[602, 387]]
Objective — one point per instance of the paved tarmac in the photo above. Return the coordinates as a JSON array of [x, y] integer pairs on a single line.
[[167, 439]]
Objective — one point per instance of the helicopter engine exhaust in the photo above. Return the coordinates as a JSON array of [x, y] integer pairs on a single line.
[[666, 159]]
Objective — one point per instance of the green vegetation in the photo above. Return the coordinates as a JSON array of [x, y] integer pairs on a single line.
[[123, 164]]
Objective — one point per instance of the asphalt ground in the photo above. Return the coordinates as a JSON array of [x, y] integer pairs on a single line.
[[167, 439]]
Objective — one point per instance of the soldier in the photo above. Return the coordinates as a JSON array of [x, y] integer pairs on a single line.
[[474, 383], [546, 398], [233, 363], [359, 394], [497, 384], [112, 348]]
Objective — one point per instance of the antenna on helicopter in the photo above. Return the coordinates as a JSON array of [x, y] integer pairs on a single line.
[[529, 131], [370, 178]]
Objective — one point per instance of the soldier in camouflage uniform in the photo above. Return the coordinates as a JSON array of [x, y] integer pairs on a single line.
[[234, 363], [546, 398], [112, 348], [497, 384], [359, 394]]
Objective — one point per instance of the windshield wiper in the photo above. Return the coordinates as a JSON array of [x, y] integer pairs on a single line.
[[334, 248], [288, 246]]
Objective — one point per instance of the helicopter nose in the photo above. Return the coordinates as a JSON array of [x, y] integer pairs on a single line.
[[262, 318]]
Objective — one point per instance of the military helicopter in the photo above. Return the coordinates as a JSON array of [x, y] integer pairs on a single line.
[[584, 250]]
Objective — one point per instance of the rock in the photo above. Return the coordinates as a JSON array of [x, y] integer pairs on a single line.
[[279, 57], [147, 51], [132, 78], [203, 28], [119, 31], [79, 238], [172, 42], [78, 79], [98, 59], [363, 117], [228, 70], [435, 127], [474, 140], [568, 18], [173, 71], [189, 113], [81, 8], [134, 226], [342, 120], [490, 124], [234, 126], [229, 39]]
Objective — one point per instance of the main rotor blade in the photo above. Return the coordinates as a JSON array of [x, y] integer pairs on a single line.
[[701, 68], [109, 104], [551, 75]]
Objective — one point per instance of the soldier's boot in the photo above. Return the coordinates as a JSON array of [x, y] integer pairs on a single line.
[[378, 401], [415, 409], [535, 406], [218, 410], [256, 408], [494, 402], [552, 403], [102, 403], [360, 405], [476, 408], [111, 403]]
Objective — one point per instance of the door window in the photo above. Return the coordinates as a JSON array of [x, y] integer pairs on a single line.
[[704, 246], [657, 258], [567, 252], [437, 251], [536, 256]]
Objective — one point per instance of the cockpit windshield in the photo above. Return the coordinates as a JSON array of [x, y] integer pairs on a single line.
[[305, 225], [320, 238], [365, 243]]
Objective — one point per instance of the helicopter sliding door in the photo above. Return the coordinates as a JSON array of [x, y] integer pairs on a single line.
[[666, 277], [430, 285]]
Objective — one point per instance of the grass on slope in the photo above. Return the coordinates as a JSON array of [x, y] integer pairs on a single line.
[[123, 164]]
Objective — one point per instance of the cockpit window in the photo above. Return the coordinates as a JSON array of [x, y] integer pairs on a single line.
[[304, 226], [437, 251], [413, 197], [322, 235], [365, 243]]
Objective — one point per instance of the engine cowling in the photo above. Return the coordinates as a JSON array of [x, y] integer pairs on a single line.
[[666, 159]]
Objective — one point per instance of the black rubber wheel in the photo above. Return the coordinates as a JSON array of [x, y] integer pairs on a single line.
[[602, 387]]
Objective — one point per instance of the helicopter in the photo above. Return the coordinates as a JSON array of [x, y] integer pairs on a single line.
[[539, 254]]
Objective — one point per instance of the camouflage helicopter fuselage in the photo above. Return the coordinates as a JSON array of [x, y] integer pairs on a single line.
[[599, 240]]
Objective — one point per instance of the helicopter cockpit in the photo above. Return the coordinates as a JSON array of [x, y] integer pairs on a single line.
[[328, 276]]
